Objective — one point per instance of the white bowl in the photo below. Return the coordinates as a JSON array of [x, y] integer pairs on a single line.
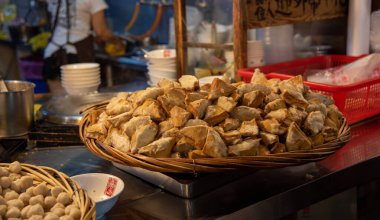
[[80, 86], [172, 75], [79, 66], [161, 54], [81, 83], [77, 91], [81, 72], [162, 69], [103, 188], [80, 78]]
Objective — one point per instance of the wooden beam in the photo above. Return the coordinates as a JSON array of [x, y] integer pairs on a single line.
[[240, 35], [180, 36]]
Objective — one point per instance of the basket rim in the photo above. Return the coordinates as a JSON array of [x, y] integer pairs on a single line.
[[207, 165]]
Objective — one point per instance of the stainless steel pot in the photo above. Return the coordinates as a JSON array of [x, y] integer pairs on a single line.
[[16, 109]]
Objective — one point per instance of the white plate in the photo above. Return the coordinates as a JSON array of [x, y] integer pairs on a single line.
[[161, 54]]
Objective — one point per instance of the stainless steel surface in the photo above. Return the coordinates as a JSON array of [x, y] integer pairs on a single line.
[[66, 109], [16, 109], [185, 185], [264, 194]]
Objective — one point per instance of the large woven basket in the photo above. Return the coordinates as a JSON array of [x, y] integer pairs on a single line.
[[53, 178], [206, 165]]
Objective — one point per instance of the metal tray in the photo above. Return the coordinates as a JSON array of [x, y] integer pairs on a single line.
[[65, 109], [183, 185]]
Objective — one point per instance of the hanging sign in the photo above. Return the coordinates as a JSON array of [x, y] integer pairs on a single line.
[[263, 13]]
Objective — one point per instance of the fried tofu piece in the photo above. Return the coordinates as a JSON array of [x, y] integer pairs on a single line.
[[325, 99], [236, 96], [183, 145], [164, 126], [314, 123], [198, 108], [296, 115], [274, 105], [229, 137], [193, 96], [263, 150], [248, 147], [296, 139], [214, 145], [245, 113], [272, 126], [271, 97], [268, 138], [258, 77], [316, 105], [151, 108], [317, 140], [194, 122], [249, 87], [173, 97], [120, 141], [196, 133], [173, 132], [220, 88], [144, 135], [226, 103], [117, 106], [197, 154], [249, 128], [149, 93], [167, 83], [278, 148], [215, 115], [294, 84], [230, 124], [159, 148], [281, 115], [179, 116], [117, 120], [253, 99], [189, 82], [130, 127], [294, 98], [205, 87], [97, 131]]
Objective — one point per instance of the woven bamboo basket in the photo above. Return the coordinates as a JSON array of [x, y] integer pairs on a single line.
[[207, 165], [53, 178]]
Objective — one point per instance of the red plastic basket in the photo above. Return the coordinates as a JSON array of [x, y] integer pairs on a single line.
[[356, 101]]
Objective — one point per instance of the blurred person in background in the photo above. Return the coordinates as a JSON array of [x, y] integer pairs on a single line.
[[72, 22]]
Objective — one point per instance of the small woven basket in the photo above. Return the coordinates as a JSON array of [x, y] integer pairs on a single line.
[[53, 178], [206, 165]]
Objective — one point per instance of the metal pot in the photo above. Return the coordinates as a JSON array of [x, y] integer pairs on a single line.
[[16, 108]]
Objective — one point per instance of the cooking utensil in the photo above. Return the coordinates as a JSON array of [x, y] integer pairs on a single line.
[[16, 108]]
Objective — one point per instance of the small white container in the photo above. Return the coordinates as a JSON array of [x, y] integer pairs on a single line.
[[103, 188]]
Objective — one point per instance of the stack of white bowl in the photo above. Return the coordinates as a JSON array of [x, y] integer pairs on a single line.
[[80, 78], [161, 64], [255, 53]]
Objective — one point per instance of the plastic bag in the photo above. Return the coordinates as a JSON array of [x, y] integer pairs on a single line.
[[360, 70]]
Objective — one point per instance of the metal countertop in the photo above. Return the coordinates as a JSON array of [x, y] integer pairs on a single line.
[[263, 194]]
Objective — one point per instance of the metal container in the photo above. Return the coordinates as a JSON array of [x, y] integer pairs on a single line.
[[16, 109]]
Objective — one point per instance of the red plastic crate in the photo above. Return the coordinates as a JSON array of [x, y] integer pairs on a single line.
[[356, 101]]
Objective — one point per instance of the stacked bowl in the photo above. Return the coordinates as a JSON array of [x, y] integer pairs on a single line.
[[80, 78], [161, 64]]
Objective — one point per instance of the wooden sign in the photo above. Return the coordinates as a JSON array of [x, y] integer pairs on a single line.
[[263, 13]]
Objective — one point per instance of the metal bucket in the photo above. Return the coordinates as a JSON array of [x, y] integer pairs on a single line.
[[16, 109]]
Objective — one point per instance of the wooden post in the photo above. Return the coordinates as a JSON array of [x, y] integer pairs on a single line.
[[180, 36], [240, 35]]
